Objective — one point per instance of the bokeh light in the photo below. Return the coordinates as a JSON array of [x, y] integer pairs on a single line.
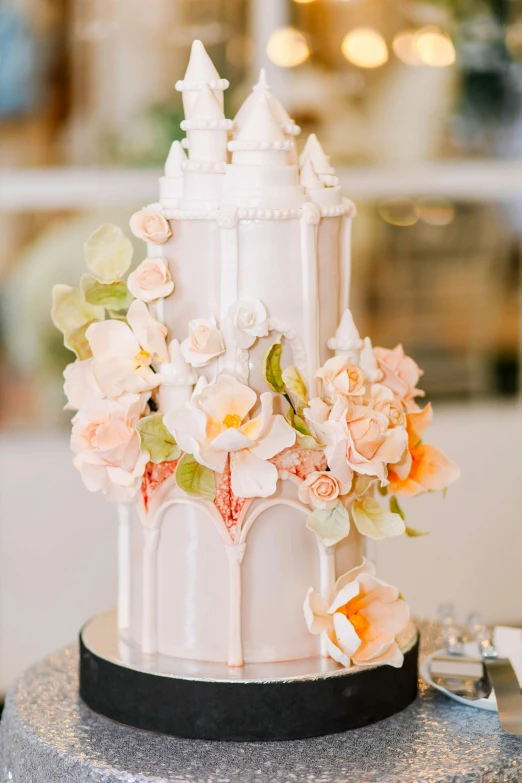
[[398, 211], [304, 2], [434, 48], [365, 47], [405, 47], [435, 210], [287, 47]]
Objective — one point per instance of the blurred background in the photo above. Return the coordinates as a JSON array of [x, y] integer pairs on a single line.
[[420, 106]]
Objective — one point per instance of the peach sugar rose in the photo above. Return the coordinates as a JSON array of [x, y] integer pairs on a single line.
[[151, 280], [150, 226]]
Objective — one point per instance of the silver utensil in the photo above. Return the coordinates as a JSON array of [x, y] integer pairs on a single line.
[[452, 636], [502, 677], [455, 672]]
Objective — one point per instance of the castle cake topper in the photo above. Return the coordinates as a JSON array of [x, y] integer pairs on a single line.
[[222, 390]]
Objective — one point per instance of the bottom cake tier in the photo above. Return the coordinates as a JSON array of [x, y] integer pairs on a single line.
[[272, 701]]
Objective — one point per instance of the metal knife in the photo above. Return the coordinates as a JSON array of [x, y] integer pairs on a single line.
[[502, 677]]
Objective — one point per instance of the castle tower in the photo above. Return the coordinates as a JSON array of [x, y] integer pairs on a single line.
[[200, 71], [207, 130], [171, 184], [286, 123], [261, 140], [321, 162]]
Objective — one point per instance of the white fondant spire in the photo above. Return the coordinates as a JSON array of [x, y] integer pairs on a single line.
[[207, 107], [347, 341], [200, 71], [200, 67], [308, 177], [260, 124], [278, 110], [177, 380], [315, 153], [368, 362], [174, 160]]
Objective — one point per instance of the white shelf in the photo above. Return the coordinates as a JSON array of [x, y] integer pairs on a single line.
[[39, 189]]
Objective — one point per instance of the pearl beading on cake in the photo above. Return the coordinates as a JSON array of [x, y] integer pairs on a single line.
[[238, 145], [346, 208], [204, 165]]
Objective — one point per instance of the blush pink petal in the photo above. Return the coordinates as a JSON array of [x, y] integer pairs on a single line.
[[279, 436], [251, 476], [391, 617]]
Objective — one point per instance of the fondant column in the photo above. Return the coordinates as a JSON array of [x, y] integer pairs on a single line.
[[235, 554], [346, 255], [228, 225], [149, 641], [326, 580], [310, 217], [124, 565]]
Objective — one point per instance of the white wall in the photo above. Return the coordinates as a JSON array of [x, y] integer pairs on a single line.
[[57, 551], [58, 541]]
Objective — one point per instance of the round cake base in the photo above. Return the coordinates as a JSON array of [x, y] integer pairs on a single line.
[[275, 701]]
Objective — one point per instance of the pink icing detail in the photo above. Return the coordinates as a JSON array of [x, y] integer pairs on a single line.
[[300, 462], [229, 505], [155, 474]]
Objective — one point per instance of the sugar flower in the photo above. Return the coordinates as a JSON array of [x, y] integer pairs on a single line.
[[321, 489], [340, 378], [214, 427], [150, 226], [107, 446], [423, 468], [151, 280], [80, 386], [357, 438], [249, 321], [204, 343], [360, 625], [400, 373], [123, 352]]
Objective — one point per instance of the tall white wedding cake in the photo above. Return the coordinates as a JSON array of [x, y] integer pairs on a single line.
[[227, 403]]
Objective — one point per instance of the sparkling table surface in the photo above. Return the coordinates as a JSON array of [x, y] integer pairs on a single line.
[[48, 736]]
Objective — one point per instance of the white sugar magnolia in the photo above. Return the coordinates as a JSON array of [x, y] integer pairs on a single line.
[[107, 445], [124, 352], [360, 625], [214, 427], [80, 386], [249, 321]]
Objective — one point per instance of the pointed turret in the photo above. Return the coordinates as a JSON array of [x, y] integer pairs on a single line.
[[368, 362], [308, 177], [174, 160], [261, 139], [278, 110], [200, 71], [347, 341], [321, 162], [207, 130], [171, 185], [176, 379]]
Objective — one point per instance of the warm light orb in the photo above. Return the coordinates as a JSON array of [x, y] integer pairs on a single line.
[[398, 212], [365, 48], [304, 2], [435, 211], [287, 47], [434, 48], [405, 47]]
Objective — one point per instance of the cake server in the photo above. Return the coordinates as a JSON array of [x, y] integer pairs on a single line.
[[502, 677]]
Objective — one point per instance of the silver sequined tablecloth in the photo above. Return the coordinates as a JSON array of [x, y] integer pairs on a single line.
[[48, 736]]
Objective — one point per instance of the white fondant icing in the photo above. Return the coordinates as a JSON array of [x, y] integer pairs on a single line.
[[124, 565], [347, 341], [200, 72], [250, 228]]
